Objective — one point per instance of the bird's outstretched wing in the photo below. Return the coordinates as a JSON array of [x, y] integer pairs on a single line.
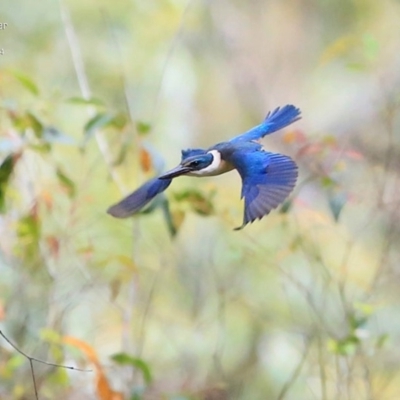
[[134, 202], [267, 178], [275, 120]]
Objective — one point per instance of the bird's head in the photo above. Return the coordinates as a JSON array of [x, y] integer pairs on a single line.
[[190, 164]]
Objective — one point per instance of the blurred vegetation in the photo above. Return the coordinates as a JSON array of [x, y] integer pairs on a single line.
[[95, 98]]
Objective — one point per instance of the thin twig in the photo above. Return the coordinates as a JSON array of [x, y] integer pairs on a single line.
[[296, 372], [127, 312], [33, 376], [322, 372], [31, 359], [41, 361], [171, 49], [83, 82]]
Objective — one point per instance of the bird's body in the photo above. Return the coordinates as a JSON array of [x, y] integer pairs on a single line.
[[267, 178]]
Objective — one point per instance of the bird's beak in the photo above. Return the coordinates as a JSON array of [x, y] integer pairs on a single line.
[[173, 173]]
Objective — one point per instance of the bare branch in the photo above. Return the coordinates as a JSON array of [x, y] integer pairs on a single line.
[[31, 359], [85, 90], [296, 372]]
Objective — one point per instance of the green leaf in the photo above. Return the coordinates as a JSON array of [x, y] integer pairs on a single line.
[[50, 335], [28, 227], [143, 128], [371, 46], [97, 122], [28, 230], [27, 120], [328, 182], [87, 102], [26, 82], [198, 201], [161, 201], [41, 147], [6, 169], [382, 340], [123, 151], [11, 366], [356, 66], [357, 322], [286, 206], [59, 378], [365, 308], [66, 182], [344, 347], [102, 120], [119, 121], [126, 359], [172, 228], [34, 122]]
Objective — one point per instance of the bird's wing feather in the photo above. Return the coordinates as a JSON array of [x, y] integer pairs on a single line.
[[267, 178], [134, 202], [275, 120]]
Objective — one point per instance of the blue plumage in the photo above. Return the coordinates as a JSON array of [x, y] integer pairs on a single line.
[[267, 178], [191, 153], [275, 120], [139, 198]]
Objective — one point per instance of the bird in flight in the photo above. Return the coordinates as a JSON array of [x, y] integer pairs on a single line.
[[267, 178]]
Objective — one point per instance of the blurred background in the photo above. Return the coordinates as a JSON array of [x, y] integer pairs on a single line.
[[95, 98]]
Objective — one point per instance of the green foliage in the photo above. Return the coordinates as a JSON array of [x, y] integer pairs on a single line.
[[66, 182], [286, 206], [28, 231], [344, 347], [358, 333], [97, 122], [143, 128], [12, 365], [26, 82], [197, 200], [104, 120], [126, 359], [59, 378], [25, 121], [6, 169], [86, 102]]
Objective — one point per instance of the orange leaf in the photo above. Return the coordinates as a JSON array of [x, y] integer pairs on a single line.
[[87, 252], [46, 197], [145, 160], [104, 391], [339, 48], [294, 136], [53, 244], [85, 348]]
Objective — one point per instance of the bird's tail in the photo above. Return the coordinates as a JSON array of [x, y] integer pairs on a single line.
[[281, 117], [275, 120]]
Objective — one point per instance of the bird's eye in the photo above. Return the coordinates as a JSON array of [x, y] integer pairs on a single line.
[[195, 163]]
